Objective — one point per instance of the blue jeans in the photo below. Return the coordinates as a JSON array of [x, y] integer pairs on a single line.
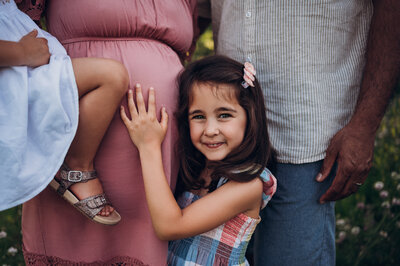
[[295, 229]]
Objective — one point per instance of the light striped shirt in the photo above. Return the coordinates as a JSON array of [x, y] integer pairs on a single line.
[[309, 56]]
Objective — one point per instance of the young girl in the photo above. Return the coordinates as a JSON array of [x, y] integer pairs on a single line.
[[223, 150], [39, 91]]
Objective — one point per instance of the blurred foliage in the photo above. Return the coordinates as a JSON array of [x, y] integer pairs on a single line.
[[10, 237], [368, 224], [204, 45]]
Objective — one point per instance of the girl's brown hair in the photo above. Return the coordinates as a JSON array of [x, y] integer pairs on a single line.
[[248, 160]]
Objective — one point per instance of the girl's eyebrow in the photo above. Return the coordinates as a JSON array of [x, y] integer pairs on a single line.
[[226, 109], [195, 112], [220, 109]]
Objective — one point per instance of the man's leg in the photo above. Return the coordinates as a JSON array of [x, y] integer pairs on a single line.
[[295, 229]]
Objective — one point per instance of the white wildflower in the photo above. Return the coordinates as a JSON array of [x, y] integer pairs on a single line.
[[384, 194], [385, 204], [361, 205], [355, 230], [395, 175], [3, 234], [379, 185], [12, 251], [383, 233], [342, 235], [340, 222], [396, 201]]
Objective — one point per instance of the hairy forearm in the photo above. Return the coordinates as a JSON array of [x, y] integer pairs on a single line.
[[164, 210], [11, 54], [382, 67]]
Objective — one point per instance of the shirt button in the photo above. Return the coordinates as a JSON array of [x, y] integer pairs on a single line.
[[248, 14]]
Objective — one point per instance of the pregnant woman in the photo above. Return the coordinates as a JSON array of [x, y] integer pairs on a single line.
[[150, 38]]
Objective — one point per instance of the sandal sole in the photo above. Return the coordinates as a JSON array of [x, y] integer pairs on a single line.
[[112, 219]]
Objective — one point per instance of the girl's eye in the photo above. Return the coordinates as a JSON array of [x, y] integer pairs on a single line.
[[225, 115], [197, 117]]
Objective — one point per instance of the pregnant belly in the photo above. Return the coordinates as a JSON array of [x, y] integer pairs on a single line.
[[150, 63]]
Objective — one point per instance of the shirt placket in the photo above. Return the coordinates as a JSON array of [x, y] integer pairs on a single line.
[[249, 30]]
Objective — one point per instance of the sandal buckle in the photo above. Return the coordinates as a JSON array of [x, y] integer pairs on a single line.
[[75, 176]]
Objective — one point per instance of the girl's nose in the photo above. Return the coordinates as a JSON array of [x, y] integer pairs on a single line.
[[211, 129]]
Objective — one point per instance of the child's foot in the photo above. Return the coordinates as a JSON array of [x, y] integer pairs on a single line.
[[84, 191], [91, 188]]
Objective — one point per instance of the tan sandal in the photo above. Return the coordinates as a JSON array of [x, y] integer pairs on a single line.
[[90, 206]]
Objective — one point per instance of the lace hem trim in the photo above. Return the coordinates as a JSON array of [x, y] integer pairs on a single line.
[[43, 260]]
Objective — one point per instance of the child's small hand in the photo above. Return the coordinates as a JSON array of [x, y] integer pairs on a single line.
[[35, 50], [144, 128]]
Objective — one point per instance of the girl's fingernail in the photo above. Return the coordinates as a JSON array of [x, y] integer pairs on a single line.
[[137, 85], [151, 88], [130, 91], [319, 176]]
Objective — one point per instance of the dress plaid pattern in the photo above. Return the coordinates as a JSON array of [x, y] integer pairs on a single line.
[[224, 245]]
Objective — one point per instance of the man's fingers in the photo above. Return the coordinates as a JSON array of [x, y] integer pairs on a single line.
[[327, 164], [336, 189]]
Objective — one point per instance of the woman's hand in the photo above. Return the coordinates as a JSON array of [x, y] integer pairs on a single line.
[[143, 127]]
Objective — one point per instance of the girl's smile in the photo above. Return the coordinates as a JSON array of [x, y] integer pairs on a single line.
[[217, 121]]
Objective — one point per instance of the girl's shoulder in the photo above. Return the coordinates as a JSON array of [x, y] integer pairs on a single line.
[[263, 187]]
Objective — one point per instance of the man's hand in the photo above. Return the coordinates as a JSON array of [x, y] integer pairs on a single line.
[[352, 147], [352, 150]]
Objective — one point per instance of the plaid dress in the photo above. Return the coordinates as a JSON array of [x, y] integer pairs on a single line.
[[224, 245]]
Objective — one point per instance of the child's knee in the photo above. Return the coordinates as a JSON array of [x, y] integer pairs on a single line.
[[118, 76]]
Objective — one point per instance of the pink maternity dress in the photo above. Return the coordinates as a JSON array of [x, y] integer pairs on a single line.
[[150, 38]]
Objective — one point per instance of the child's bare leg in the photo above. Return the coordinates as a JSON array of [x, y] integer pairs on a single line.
[[101, 83]]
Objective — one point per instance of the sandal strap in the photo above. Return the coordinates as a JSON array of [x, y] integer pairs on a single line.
[[69, 177], [92, 205]]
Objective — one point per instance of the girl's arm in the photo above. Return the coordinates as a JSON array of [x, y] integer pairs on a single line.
[[169, 221], [29, 51]]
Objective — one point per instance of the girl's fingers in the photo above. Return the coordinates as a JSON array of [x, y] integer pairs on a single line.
[[131, 104], [139, 99], [124, 118], [151, 107], [164, 119]]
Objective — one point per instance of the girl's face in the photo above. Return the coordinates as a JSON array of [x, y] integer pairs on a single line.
[[217, 121]]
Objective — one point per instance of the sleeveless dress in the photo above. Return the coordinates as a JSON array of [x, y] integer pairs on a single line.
[[38, 114], [223, 246], [150, 38]]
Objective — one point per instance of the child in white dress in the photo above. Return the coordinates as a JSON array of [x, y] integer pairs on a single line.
[[41, 93]]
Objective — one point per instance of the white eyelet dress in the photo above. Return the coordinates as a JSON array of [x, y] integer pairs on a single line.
[[38, 114]]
